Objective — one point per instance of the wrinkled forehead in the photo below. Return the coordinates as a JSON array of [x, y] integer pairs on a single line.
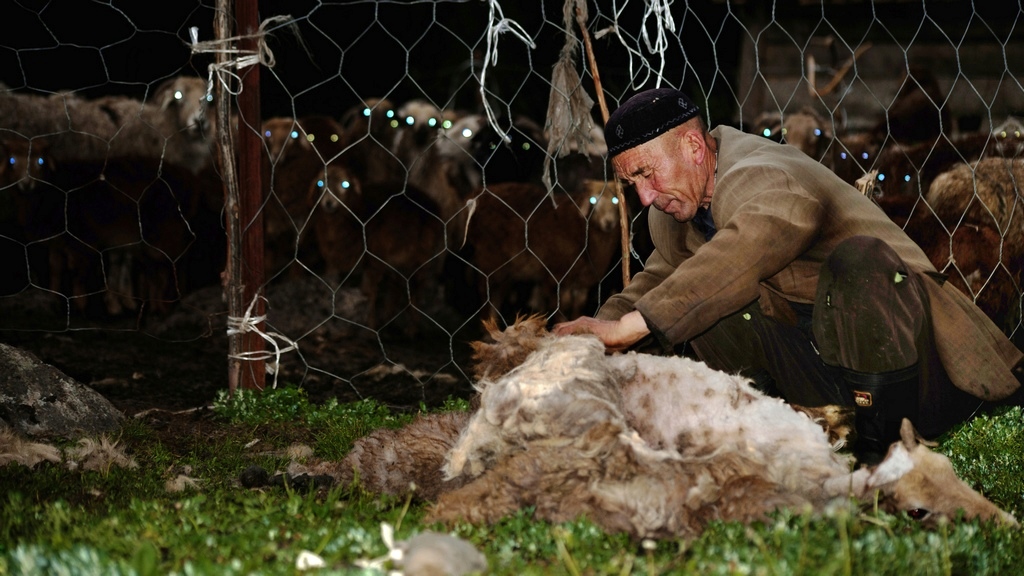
[[632, 162]]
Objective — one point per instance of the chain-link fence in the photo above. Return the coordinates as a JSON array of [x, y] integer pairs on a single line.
[[427, 164]]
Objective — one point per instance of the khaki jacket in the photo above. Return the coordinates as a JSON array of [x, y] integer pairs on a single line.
[[779, 214]]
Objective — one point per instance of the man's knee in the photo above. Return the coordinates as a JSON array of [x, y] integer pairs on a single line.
[[870, 308]]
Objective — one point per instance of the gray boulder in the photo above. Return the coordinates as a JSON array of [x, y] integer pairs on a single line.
[[39, 400]]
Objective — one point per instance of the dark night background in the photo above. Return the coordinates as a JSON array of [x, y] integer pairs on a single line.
[[345, 51], [351, 50]]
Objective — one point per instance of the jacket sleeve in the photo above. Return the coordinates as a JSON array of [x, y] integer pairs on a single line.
[[656, 269]]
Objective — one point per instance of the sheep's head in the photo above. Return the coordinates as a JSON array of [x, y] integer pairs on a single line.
[[336, 189], [421, 121], [1010, 137], [602, 205], [187, 99], [26, 162], [926, 486], [278, 134], [914, 479], [804, 129], [375, 117]]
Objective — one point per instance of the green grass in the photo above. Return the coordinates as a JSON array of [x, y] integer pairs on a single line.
[[53, 521]]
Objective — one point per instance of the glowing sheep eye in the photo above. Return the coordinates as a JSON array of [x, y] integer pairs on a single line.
[[593, 199], [615, 199], [209, 97], [467, 133], [391, 114], [526, 145], [767, 132], [906, 178], [842, 155], [345, 185], [1002, 134], [39, 161], [394, 123], [410, 120], [817, 131], [864, 155], [1016, 133], [178, 95], [785, 131], [881, 177], [432, 122], [334, 137], [366, 112], [319, 183], [310, 137], [266, 134], [11, 160], [294, 134], [446, 124]]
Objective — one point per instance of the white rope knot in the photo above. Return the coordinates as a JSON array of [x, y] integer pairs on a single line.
[[497, 25], [262, 55], [249, 323]]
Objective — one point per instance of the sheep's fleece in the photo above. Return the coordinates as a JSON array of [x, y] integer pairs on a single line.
[[658, 446], [648, 445]]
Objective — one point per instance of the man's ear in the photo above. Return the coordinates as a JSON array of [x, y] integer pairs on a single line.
[[695, 145]]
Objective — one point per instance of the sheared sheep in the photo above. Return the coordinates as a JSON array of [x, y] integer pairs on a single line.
[[652, 446]]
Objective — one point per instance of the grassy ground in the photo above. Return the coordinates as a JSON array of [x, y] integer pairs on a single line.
[[125, 521]]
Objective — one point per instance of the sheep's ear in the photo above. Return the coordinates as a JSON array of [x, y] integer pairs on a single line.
[[911, 438], [908, 434]]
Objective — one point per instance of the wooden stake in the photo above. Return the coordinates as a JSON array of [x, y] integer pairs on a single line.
[[581, 19]]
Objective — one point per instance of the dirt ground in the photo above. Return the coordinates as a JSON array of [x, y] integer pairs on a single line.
[[162, 366]]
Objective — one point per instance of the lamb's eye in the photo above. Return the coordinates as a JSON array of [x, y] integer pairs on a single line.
[[919, 513]]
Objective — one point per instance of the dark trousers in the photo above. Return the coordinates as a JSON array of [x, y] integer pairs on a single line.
[[870, 317]]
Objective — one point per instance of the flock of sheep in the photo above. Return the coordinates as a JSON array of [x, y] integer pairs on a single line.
[[110, 201], [957, 194], [422, 202], [116, 201], [116, 204]]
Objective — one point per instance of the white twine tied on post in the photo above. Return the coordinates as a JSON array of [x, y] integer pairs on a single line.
[[498, 24], [661, 11], [249, 323], [262, 55]]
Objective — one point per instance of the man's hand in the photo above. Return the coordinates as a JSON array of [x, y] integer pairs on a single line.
[[617, 335]]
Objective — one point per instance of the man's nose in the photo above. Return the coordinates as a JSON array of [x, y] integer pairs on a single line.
[[646, 193]]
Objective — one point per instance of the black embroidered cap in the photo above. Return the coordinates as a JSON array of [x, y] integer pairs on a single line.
[[645, 116]]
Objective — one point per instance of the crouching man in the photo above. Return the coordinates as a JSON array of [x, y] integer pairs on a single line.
[[769, 265]]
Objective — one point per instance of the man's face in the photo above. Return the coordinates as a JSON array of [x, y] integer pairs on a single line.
[[664, 175]]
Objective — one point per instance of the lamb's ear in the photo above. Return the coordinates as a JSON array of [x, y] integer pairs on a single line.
[[908, 434], [911, 438]]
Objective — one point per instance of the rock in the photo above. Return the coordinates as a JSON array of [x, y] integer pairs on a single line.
[[39, 400], [435, 554]]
